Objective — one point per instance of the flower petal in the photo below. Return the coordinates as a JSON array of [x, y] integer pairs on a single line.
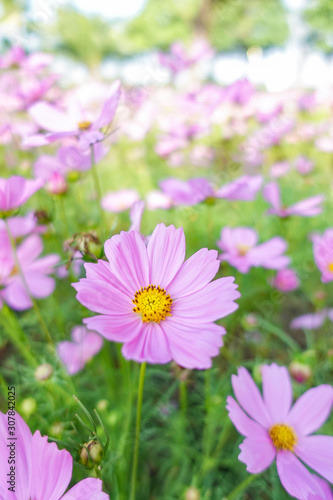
[[214, 301], [87, 489], [166, 253], [116, 328], [128, 259], [52, 469], [311, 410], [245, 425], [295, 478], [277, 391], [317, 453], [195, 273], [257, 452], [249, 397], [150, 345], [101, 297]]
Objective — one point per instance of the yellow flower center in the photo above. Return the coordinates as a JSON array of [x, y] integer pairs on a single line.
[[85, 125], [330, 267], [283, 437], [243, 249], [152, 303]]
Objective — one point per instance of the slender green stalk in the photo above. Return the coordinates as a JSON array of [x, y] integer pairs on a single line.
[[183, 397], [61, 203], [278, 332], [241, 487], [97, 184], [34, 303], [137, 432]]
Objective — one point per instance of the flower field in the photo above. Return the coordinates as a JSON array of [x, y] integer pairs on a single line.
[[166, 279]]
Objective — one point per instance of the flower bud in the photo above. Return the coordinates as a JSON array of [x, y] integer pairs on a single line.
[[192, 494], [28, 406], [91, 453], [44, 371], [57, 184], [300, 372]]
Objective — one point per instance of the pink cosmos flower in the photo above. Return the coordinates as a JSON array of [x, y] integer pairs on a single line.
[[83, 347], [136, 214], [179, 58], [63, 125], [188, 192], [304, 165], [312, 321], [240, 250], [244, 188], [15, 191], [323, 254], [118, 201], [159, 306], [157, 199], [273, 429], [35, 270], [306, 208], [286, 280], [279, 169], [43, 472]]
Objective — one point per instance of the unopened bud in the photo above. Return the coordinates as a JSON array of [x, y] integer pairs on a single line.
[[192, 494], [44, 371], [28, 406], [91, 453], [299, 371], [57, 184]]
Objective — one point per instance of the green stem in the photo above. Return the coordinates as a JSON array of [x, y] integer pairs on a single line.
[[241, 487], [275, 330], [183, 397], [61, 200], [34, 303], [137, 432], [97, 184]]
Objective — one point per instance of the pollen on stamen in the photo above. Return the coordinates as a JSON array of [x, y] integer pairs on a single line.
[[84, 125], [283, 437], [152, 303]]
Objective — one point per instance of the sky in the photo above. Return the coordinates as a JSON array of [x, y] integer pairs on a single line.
[[110, 9]]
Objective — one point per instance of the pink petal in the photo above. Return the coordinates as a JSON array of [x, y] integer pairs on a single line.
[[295, 478], [50, 118], [116, 328], [166, 253], [245, 425], [150, 345], [212, 302], [311, 410], [271, 193], [102, 271], [87, 489], [40, 286], [23, 465], [52, 469], [277, 391], [195, 273], [257, 452], [109, 108], [128, 259], [16, 295], [29, 250], [317, 453], [249, 397], [70, 356], [101, 297]]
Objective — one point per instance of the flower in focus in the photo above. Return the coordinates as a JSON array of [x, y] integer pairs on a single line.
[[43, 471], [323, 254], [160, 307], [74, 124], [286, 280], [306, 208], [273, 429], [13, 290], [118, 201], [15, 191], [240, 250]]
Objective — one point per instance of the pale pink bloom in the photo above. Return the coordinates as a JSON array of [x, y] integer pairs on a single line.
[[157, 199], [241, 251], [62, 125], [179, 58], [21, 226], [304, 165], [239, 92], [83, 347], [15, 191], [306, 208], [312, 321], [244, 188], [136, 214], [323, 254], [201, 155], [188, 192], [279, 169], [35, 270], [325, 143], [276, 430], [160, 307], [286, 280], [42, 471], [118, 201]]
